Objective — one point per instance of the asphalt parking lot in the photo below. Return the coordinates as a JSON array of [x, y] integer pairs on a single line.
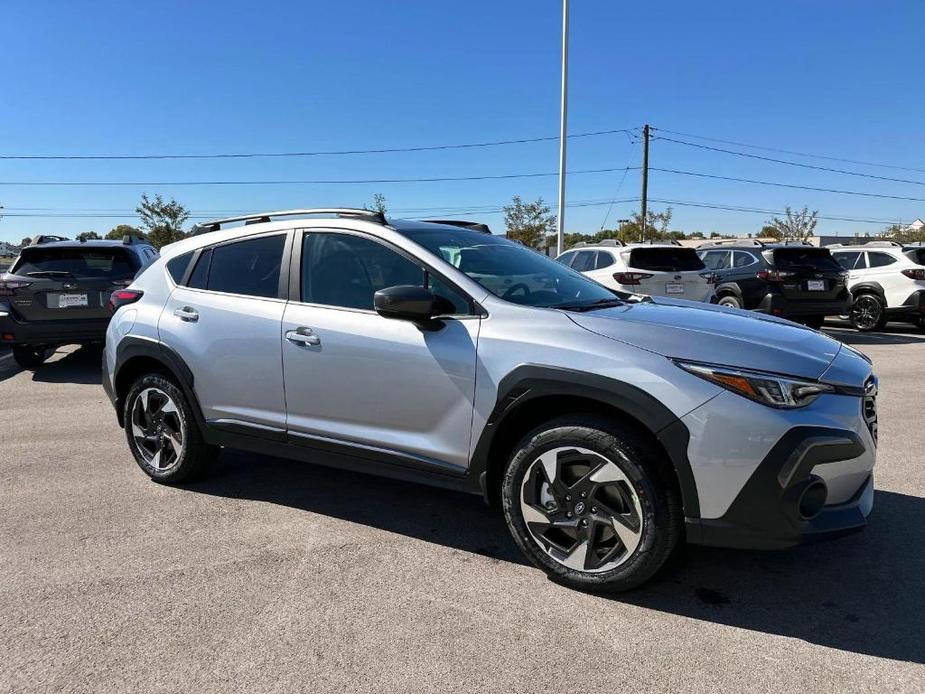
[[278, 576]]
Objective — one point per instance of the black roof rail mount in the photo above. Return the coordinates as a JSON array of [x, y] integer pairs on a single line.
[[130, 239], [263, 217], [48, 238], [474, 226]]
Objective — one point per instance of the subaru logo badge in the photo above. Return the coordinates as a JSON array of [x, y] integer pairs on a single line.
[[70, 285], [580, 508]]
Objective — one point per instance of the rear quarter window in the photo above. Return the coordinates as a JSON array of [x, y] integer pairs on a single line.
[[665, 259]]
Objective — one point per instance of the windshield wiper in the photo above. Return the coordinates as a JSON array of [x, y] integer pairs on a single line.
[[589, 306]]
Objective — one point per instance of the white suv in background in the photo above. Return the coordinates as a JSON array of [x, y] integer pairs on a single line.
[[887, 281], [655, 269]]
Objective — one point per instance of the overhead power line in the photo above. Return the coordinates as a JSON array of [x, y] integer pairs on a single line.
[[788, 185], [317, 153], [793, 152], [335, 181], [793, 163], [756, 210]]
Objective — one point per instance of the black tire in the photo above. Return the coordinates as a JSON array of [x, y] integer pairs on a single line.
[[29, 356], [195, 454], [729, 300], [868, 312], [656, 497]]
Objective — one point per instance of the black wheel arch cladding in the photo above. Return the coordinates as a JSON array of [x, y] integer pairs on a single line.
[[528, 382]]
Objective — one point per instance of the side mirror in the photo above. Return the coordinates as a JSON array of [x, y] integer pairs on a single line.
[[405, 302]]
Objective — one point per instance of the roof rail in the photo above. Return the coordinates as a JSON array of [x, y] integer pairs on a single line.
[[48, 238], [261, 217], [474, 226], [610, 242], [732, 242]]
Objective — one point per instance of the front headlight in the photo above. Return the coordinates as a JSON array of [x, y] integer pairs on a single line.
[[768, 389]]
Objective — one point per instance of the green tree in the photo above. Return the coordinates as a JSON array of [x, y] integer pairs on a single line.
[[162, 220], [88, 236], [769, 231], [377, 205], [117, 233], [795, 226], [657, 224], [903, 234], [528, 222]]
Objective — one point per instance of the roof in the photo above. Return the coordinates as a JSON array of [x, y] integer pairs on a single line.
[[93, 243]]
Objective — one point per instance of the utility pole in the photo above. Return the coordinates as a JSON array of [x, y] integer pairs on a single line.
[[645, 177], [563, 129]]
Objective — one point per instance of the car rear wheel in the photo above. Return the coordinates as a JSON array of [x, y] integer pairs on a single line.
[[868, 313], [729, 301], [588, 505], [30, 356], [162, 432]]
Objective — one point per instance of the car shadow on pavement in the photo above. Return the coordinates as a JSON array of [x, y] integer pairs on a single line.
[[83, 366], [864, 593], [890, 335], [861, 593], [449, 518]]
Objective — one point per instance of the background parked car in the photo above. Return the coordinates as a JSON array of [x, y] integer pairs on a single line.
[[57, 292], [795, 281], [886, 280], [655, 269]]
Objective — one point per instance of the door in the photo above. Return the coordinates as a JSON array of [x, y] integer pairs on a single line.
[[896, 286], [225, 324], [360, 381]]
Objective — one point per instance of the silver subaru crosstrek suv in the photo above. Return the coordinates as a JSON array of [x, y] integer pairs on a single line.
[[608, 427]]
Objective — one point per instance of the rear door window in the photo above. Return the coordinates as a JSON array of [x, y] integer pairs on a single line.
[[666, 259], [249, 267], [604, 259], [880, 259], [743, 259], [847, 260], [584, 261], [78, 262], [565, 258], [716, 260]]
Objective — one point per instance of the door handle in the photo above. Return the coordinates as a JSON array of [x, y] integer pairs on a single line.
[[187, 313], [303, 336]]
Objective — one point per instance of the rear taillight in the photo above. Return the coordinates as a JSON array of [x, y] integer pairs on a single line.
[[631, 277], [123, 297], [710, 277], [915, 273], [775, 275], [9, 287]]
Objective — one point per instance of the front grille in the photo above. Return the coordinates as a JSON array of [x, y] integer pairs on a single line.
[[870, 406]]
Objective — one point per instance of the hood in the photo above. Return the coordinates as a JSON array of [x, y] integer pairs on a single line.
[[716, 335]]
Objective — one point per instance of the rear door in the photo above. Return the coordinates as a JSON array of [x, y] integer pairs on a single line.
[[672, 271], [71, 282], [884, 269], [226, 325], [809, 273]]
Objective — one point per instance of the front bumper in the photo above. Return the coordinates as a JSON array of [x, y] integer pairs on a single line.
[[57, 332], [784, 502]]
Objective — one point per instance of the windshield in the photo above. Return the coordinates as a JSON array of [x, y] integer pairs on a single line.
[[104, 263], [511, 271]]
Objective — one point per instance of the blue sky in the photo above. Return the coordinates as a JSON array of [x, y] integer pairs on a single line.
[[835, 77]]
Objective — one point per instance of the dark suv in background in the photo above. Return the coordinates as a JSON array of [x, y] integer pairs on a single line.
[[791, 280], [57, 292]]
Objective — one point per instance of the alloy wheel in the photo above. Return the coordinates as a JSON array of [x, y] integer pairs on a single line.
[[581, 509], [157, 429], [866, 312]]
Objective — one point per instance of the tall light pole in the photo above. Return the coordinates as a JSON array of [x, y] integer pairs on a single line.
[[563, 127]]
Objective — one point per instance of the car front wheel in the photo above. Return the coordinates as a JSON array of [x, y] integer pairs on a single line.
[[868, 313], [162, 432], [588, 505]]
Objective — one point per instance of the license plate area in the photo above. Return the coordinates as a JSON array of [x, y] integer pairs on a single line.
[[674, 288], [69, 300], [815, 285]]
